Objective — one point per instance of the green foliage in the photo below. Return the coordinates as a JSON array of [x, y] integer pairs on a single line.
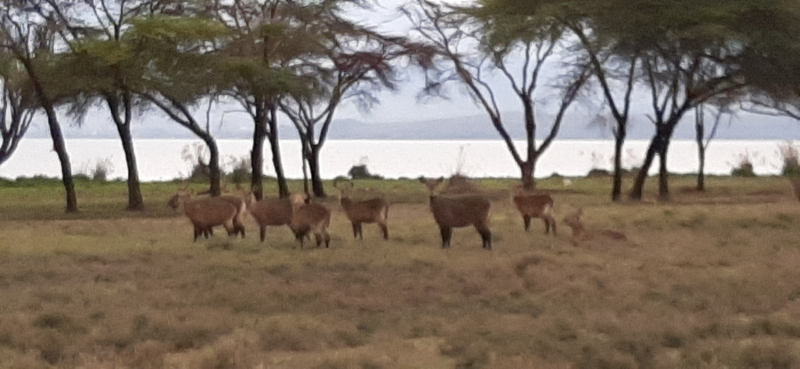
[[361, 172], [178, 31]]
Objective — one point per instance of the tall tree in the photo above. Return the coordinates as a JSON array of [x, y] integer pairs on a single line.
[[612, 60], [31, 39], [101, 57], [471, 43], [17, 105], [703, 139], [771, 66], [351, 63], [179, 56], [258, 66]]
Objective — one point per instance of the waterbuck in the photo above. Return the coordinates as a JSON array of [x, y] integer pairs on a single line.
[[581, 234], [375, 210], [532, 205], [309, 218], [269, 212], [205, 213], [241, 207], [459, 211]]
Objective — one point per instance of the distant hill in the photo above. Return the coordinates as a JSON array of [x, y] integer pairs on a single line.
[[474, 127]]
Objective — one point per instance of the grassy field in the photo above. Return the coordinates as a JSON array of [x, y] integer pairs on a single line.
[[707, 281]]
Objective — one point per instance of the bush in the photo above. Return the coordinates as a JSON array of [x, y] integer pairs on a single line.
[[361, 172], [791, 161], [101, 170], [745, 169], [240, 171]]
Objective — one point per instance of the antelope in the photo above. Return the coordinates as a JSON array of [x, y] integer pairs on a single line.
[[581, 234], [269, 212], [205, 213], [459, 211], [241, 207], [310, 218], [534, 206], [375, 210]]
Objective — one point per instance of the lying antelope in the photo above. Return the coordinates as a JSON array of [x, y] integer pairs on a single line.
[[269, 212], [375, 210], [205, 213], [581, 234], [309, 218], [534, 206], [459, 211]]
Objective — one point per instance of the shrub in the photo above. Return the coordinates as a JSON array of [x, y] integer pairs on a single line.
[[361, 172], [791, 161], [102, 168], [194, 155], [240, 170], [744, 169]]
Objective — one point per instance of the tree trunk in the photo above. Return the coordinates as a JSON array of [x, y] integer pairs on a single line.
[[257, 160], [58, 139], [527, 168], [616, 188], [699, 129], [658, 145], [638, 184], [701, 176], [63, 157], [213, 166], [283, 188], [663, 175], [313, 166], [272, 136], [135, 201]]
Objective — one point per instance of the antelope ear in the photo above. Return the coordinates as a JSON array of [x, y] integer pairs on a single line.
[[421, 179]]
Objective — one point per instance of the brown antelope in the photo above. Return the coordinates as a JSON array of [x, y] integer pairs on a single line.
[[581, 234], [241, 206], [534, 206], [269, 212], [310, 218], [375, 210], [459, 211], [205, 213]]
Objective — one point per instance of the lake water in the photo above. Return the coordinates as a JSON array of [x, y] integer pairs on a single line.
[[161, 159]]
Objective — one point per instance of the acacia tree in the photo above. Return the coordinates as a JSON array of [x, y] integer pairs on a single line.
[[103, 60], [613, 61], [471, 43], [699, 52], [17, 105], [771, 67], [178, 52], [257, 66], [352, 62], [30, 39], [703, 139]]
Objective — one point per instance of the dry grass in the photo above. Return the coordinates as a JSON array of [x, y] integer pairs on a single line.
[[708, 281]]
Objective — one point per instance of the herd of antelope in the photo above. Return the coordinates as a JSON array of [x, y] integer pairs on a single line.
[[305, 218]]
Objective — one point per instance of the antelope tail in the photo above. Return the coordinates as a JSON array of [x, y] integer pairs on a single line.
[[548, 209]]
